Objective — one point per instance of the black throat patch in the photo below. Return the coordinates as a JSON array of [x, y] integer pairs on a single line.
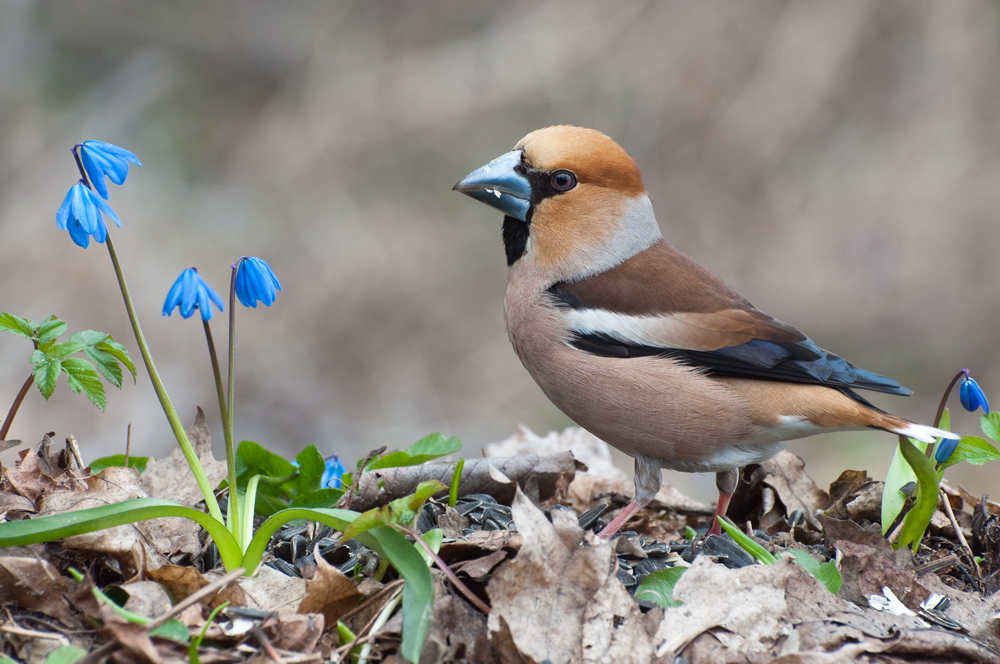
[[515, 238]]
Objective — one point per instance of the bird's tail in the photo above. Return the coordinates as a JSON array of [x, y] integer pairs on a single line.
[[921, 432]]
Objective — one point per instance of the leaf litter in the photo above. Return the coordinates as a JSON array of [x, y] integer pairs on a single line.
[[557, 593]]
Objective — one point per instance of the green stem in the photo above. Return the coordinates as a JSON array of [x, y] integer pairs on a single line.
[[161, 393], [14, 406], [227, 424], [230, 415]]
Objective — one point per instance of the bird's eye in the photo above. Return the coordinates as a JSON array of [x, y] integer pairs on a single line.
[[563, 180]]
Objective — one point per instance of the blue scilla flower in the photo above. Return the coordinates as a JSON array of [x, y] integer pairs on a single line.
[[191, 292], [102, 159], [971, 395], [334, 471], [80, 214], [256, 281]]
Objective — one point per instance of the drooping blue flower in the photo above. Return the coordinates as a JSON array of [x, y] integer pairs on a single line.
[[334, 471], [191, 292], [102, 159], [80, 214], [256, 281], [971, 395], [945, 449]]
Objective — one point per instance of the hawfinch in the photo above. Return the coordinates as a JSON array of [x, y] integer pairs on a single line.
[[641, 345]]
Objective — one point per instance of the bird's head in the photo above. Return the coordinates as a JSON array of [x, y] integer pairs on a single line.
[[574, 202]]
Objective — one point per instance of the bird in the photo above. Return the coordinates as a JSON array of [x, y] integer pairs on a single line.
[[641, 345]]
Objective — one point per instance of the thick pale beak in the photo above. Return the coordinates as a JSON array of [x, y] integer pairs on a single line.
[[499, 185]]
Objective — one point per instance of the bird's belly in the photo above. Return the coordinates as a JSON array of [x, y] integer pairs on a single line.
[[650, 406]]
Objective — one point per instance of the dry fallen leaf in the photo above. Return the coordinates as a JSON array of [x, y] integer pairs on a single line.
[[558, 600], [36, 585], [329, 592], [171, 478], [298, 632]]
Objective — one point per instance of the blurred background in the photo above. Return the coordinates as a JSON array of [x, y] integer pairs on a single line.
[[836, 163]]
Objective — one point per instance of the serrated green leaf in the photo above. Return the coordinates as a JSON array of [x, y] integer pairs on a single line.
[[46, 374], [991, 425], [63, 350], [49, 330], [63, 655], [827, 572], [82, 376], [900, 474], [110, 346], [14, 325], [973, 449], [138, 463], [89, 337], [426, 449], [925, 499], [107, 364], [658, 587]]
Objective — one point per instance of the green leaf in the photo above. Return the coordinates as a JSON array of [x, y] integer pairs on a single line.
[[991, 425], [92, 519], [402, 511], [120, 353], [50, 329], [925, 499], [456, 479], [658, 587], [139, 463], [174, 630], [426, 449], [344, 634], [324, 498], [14, 325], [311, 469], [900, 474], [63, 350], [747, 544], [973, 449], [107, 364], [253, 459], [82, 375], [46, 373], [63, 655], [827, 572], [433, 538]]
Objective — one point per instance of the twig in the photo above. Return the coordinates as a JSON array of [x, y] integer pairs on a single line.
[[391, 587], [265, 644], [381, 619], [20, 631], [357, 475], [958, 531], [128, 442]]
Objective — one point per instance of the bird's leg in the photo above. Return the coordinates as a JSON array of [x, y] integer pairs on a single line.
[[647, 484], [726, 483]]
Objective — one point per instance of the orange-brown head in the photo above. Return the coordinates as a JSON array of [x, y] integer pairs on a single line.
[[574, 202]]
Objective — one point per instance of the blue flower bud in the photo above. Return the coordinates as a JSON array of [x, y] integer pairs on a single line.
[[191, 292], [102, 160], [334, 471], [80, 214], [256, 281], [971, 396], [945, 449]]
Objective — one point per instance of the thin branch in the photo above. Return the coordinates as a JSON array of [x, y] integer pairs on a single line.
[[17, 404], [443, 566], [958, 531], [357, 475]]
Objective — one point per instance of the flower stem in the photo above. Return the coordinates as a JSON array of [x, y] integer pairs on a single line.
[[14, 406], [944, 400], [227, 424], [161, 393], [230, 414]]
